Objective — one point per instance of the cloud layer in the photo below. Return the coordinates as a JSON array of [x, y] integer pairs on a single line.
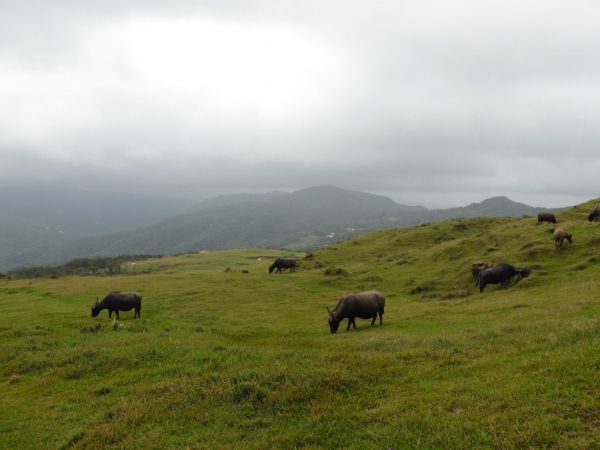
[[433, 102]]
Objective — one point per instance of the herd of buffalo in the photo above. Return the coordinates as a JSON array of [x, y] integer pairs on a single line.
[[364, 305]]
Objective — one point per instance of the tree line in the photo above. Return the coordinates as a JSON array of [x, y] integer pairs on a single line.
[[97, 266]]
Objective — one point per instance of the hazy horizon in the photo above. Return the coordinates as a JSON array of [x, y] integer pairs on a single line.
[[427, 102], [187, 200]]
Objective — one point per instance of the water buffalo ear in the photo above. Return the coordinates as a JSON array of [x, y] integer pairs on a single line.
[[96, 299], [327, 308]]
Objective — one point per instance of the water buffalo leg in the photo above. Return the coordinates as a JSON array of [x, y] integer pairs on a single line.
[[117, 313], [380, 318], [349, 323], [354, 322], [373, 321], [109, 313]]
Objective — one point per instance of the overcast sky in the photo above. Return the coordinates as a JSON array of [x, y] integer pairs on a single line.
[[432, 102]]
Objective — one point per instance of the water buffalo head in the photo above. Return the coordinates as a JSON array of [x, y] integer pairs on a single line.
[[95, 308], [524, 272], [333, 322]]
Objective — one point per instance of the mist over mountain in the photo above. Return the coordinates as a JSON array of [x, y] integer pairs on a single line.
[[491, 207], [103, 225], [32, 219]]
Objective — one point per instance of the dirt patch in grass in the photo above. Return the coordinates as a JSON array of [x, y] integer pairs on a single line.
[[423, 287], [14, 378]]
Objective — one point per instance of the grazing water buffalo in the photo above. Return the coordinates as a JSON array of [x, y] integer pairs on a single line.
[[283, 263], [119, 301], [546, 217], [560, 234], [478, 267], [365, 305], [595, 214], [500, 273]]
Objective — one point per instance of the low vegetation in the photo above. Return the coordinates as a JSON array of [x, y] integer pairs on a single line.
[[98, 266], [226, 359]]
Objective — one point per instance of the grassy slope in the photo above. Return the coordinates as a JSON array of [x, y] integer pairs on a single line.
[[228, 360]]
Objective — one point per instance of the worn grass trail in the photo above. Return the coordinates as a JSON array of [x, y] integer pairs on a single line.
[[245, 360]]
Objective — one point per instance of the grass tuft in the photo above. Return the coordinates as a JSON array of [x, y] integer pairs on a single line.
[[336, 271]]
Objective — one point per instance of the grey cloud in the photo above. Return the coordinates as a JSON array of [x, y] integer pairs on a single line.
[[436, 101]]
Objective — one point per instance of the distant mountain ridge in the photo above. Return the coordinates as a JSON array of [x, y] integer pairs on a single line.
[[233, 199], [299, 220], [492, 207]]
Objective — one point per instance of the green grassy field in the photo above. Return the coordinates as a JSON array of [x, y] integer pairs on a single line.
[[245, 360]]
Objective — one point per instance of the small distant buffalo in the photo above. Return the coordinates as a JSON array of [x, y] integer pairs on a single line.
[[118, 301], [595, 214], [546, 217], [500, 273], [560, 234], [283, 263], [365, 305]]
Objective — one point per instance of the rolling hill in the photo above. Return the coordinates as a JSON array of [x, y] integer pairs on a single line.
[[35, 219], [228, 358], [301, 220]]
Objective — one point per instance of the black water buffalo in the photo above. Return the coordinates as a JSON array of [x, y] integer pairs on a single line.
[[560, 234], [500, 273], [283, 263], [478, 267], [546, 217], [365, 305], [595, 214], [119, 301]]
